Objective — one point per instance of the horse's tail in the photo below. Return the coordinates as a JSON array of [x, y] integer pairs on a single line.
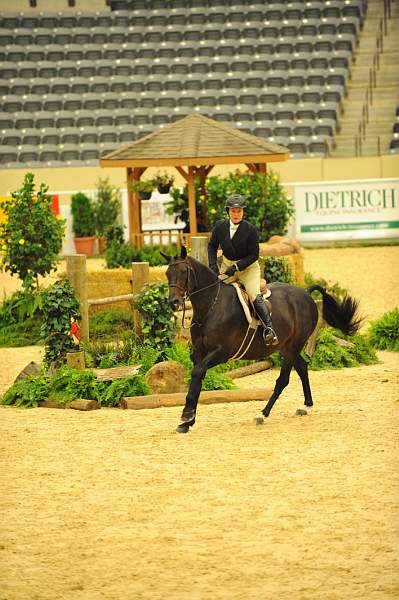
[[341, 316]]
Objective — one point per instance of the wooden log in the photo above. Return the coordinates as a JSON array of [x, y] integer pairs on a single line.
[[257, 367], [140, 279], [343, 343], [50, 404], [110, 299], [116, 372], [77, 275], [76, 359], [82, 404], [178, 399]]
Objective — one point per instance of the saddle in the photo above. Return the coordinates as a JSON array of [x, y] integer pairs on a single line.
[[247, 303]]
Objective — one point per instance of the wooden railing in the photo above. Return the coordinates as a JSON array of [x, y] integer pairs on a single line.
[[163, 238]]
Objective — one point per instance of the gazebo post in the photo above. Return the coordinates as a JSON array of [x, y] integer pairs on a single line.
[[134, 204], [191, 201]]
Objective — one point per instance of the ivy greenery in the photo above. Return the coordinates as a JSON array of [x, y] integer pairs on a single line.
[[277, 268], [330, 355], [59, 305], [158, 323], [31, 236], [383, 333]]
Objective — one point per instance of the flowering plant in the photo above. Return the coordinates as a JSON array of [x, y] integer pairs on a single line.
[[31, 235]]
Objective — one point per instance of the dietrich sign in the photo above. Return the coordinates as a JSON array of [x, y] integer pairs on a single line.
[[345, 210]]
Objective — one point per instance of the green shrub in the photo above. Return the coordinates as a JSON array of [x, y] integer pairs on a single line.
[[17, 335], [106, 207], [128, 386], [111, 324], [383, 333], [31, 236], [330, 355], [123, 254], [83, 217], [277, 268], [127, 351], [28, 392]]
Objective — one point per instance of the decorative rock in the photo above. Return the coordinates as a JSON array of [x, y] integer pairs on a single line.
[[31, 368], [167, 378]]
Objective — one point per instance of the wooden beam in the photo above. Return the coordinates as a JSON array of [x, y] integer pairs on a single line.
[[182, 172], [194, 161], [134, 202], [191, 201]]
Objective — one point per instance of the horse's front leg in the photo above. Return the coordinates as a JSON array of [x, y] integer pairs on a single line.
[[198, 373]]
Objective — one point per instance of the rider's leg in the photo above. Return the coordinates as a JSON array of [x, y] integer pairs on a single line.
[[250, 278]]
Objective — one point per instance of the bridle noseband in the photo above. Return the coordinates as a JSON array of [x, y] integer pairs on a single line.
[[185, 291]]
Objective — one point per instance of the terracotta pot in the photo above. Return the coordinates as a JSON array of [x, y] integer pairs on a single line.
[[84, 245], [102, 244]]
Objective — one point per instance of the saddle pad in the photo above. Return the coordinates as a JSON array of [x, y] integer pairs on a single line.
[[244, 299]]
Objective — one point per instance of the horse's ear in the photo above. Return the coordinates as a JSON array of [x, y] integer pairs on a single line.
[[166, 257], [183, 252]]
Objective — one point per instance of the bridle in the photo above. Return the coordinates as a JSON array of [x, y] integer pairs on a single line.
[[185, 292]]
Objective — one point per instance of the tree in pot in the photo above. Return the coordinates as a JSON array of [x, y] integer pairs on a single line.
[[83, 223], [107, 208]]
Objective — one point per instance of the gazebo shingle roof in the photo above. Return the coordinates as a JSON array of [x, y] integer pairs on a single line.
[[196, 137]]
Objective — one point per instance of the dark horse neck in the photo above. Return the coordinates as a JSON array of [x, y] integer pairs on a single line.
[[203, 288]]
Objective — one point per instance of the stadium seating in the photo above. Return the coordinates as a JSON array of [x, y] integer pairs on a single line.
[[75, 85]]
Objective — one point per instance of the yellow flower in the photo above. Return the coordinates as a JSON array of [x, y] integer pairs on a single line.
[[202, 197], [4, 247], [21, 242], [276, 177], [59, 218], [212, 211]]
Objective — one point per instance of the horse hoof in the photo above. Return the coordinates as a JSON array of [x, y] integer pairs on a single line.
[[260, 419], [301, 412], [182, 428]]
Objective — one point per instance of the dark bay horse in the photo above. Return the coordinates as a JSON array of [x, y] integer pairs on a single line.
[[219, 329]]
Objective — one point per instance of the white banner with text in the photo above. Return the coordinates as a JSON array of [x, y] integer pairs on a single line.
[[346, 210]]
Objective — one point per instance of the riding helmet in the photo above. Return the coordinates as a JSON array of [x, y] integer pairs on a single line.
[[235, 201]]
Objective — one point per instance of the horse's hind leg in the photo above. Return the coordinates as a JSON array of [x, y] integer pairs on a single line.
[[281, 382], [301, 368]]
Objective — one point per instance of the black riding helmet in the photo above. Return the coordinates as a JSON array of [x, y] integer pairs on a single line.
[[235, 201]]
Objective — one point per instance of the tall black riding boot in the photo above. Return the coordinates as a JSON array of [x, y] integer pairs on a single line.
[[269, 335]]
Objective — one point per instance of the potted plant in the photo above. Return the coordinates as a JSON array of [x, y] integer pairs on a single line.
[[143, 187], [106, 210], [163, 182], [83, 223]]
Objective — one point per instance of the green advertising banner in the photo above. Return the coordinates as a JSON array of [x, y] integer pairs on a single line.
[[347, 210]]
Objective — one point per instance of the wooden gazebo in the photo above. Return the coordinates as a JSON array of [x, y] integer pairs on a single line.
[[192, 145]]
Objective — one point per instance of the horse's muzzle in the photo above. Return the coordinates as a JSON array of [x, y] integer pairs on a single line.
[[175, 303]]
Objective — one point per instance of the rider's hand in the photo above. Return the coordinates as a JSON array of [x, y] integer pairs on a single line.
[[231, 270], [214, 268]]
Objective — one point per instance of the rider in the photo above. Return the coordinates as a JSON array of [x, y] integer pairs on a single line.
[[239, 241]]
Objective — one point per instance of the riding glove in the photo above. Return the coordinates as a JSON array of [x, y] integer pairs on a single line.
[[214, 268], [231, 270]]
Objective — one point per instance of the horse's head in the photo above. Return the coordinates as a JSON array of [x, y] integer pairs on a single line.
[[178, 274]]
